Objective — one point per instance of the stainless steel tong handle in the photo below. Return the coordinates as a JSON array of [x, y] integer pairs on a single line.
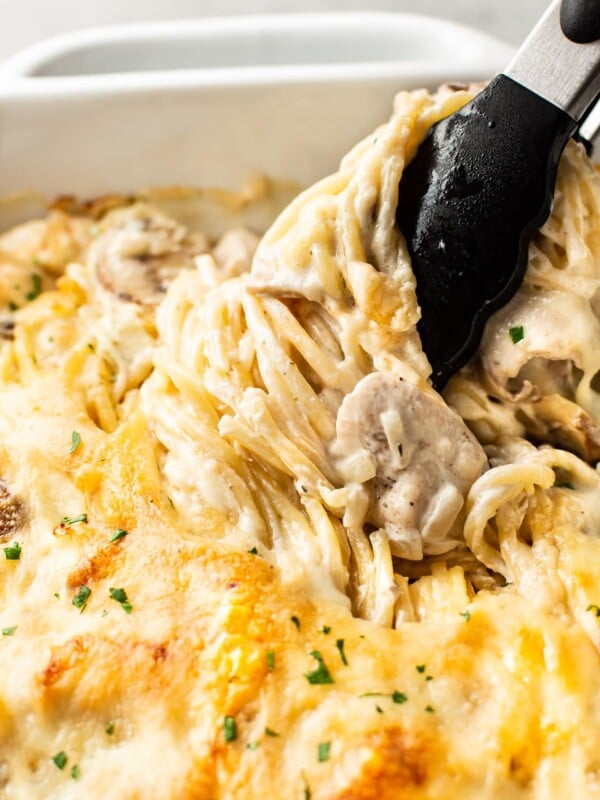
[[560, 59]]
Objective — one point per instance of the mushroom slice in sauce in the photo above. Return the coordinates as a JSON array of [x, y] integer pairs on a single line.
[[140, 251], [425, 461], [12, 513]]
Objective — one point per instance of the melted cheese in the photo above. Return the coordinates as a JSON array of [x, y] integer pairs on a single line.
[[277, 629]]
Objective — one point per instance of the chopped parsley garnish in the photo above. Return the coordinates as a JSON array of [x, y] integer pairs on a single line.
[[399, 697], [229, 729], [270, 660], [593, 607], [9, 631], [60, 759], [379, 709], [340, 646], [323, 749], [13, 552], [466, 614], [252, 745], [270, 732], [12, 306], [81, 598], [74, 520], [320, 674], [36, 286], [516, 334], [428, 677], [120, 595], [326, 629], [296, 622], [75, 441], [118, 535], [110, 728], [430, 709], [420, 667], [75, 772], [253, 551]]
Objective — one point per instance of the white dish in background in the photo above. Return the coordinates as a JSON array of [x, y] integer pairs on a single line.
[[113, 109]]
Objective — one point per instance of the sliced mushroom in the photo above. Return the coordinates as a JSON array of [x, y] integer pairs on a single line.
[[424, 457], [140, 251], [12, 513]]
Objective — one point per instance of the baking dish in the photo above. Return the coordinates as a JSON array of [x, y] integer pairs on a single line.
[[285, 95]]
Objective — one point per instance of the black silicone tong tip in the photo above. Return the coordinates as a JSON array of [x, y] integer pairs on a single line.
[[482, 181], [478, 188]]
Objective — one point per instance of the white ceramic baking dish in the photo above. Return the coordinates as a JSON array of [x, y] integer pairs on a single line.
[[211, 102]]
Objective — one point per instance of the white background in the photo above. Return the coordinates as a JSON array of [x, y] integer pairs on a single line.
[[23, 22]]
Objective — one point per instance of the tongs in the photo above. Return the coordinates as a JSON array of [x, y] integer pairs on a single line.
[[482, 181]]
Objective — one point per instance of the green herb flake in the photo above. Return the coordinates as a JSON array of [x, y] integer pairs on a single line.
[[320, 674], [81, 598], [323, 749], [110, 728], [74, 520], [593, 607], [379, 709], [75, 441], [326, 629], [428, 677], [340, 646], [9, 631], [252, 745], [57, 595], [253, 551], [420, 667], [466, 614], [12, 306], [36, 286], [120, 596], [516, 334], [60, 759], [399, 697], [75, 772], [272, 733], [296, 622], [118, 534], [270, 660], [229, 729], [13, 552], [430, 709]]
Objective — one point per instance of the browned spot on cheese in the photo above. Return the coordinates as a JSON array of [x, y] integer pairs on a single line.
[[91, 672], [395, 766], [95, 568]]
